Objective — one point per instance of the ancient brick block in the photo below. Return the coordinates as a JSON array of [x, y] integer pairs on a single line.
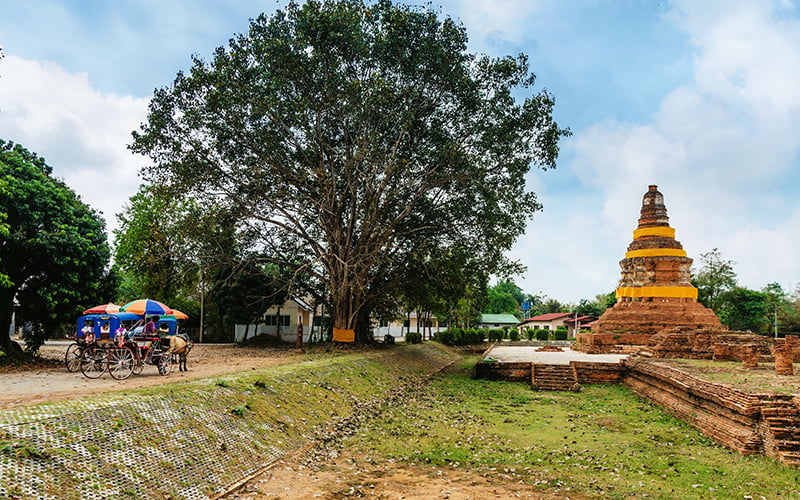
[[783, 360]]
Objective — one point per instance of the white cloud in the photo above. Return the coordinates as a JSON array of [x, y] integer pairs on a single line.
[[81, 133], [495, 20], [721, 149]]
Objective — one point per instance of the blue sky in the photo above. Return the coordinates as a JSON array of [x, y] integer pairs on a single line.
[[697, 96]]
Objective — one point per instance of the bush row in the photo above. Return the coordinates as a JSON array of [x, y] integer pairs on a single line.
[[458, 336], [560, 333]]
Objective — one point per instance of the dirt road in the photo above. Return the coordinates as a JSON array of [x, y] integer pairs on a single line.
[[205, 360]]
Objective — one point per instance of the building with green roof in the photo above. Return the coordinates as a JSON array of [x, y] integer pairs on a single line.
[[498, 321]]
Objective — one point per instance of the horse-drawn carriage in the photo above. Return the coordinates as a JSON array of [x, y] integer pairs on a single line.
[[118, 342]]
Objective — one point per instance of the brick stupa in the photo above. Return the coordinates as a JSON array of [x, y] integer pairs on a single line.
[[655, 290]]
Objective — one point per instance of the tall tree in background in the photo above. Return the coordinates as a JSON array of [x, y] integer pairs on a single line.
[[151, 246], [745, 310], [358, 132], [505, 298], [715, 277], [54, 252], [781, 308]]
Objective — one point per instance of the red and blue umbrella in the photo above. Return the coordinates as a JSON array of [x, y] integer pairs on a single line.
[[148, 307]]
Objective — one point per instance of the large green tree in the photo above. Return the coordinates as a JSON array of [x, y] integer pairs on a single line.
[[505, 298], [745, 310], [359, 132], [714, 279], [54, 252], [152, 247]]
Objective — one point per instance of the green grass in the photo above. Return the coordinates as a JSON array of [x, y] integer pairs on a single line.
[[603, 442]]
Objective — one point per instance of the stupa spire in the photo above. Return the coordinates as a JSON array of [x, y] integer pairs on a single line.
[[655, 289]]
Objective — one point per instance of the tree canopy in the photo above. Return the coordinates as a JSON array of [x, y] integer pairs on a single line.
[[714, 278], [54, 251], [358, 136]]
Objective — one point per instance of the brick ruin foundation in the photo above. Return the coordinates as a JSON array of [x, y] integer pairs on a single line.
[[657, 316], [748, 423]]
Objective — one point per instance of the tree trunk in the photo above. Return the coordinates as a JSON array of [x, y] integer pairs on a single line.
[[11, 348]]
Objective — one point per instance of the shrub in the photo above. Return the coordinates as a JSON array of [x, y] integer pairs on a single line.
[[513, 334], [561, 333], [529, 333], [457, 336], [495, 335], [542, 334], [413, 338], [388, 338], [474, 336]]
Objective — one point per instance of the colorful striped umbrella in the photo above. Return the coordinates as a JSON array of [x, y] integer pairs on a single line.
[[176, 314], [148, 307]]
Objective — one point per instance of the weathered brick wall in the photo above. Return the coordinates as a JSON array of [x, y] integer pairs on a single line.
[[604, 343], [748, 423], [598, 373], [511, 372]]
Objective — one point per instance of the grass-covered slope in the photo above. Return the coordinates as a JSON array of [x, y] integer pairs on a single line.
[[189, 440]]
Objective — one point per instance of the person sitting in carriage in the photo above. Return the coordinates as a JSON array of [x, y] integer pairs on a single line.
[[87, 333], [150, 326]]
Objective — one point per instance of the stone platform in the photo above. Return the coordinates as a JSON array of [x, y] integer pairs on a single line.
[[547, 369], [529, 354]]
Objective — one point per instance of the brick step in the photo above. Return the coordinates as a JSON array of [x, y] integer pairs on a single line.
[[552, 377], [790, 458], [782, 434], [781, 421], [788, 445]]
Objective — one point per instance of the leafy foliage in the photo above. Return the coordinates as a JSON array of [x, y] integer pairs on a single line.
[[361, 136], [496, 334], [505, 298], [745, 310], [151, 245], [413, 338], [54, 253], [715, 277], [458, 336]]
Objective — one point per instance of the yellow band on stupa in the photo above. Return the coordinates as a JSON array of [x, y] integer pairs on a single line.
[[683, 292], [656, 252], [664, 232]]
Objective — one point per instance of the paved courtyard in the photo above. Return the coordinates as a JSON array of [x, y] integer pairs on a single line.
[[525, 353]]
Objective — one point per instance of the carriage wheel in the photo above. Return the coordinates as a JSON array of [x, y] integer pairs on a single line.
[[72, 359], [165, 364], [120, 363], [138, 367], [94, 362]]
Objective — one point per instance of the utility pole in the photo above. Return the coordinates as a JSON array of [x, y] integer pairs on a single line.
[[776, 322], [202, 290]]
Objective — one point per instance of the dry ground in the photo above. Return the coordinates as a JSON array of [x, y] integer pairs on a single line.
[[20, 388], [338, 474], [348, 476]]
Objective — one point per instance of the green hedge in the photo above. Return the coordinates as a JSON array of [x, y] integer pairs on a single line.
[[496, 335], [413, 338], [542, 334], [457, 336]]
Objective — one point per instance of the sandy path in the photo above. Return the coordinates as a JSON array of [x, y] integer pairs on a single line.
[[206, 360]]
